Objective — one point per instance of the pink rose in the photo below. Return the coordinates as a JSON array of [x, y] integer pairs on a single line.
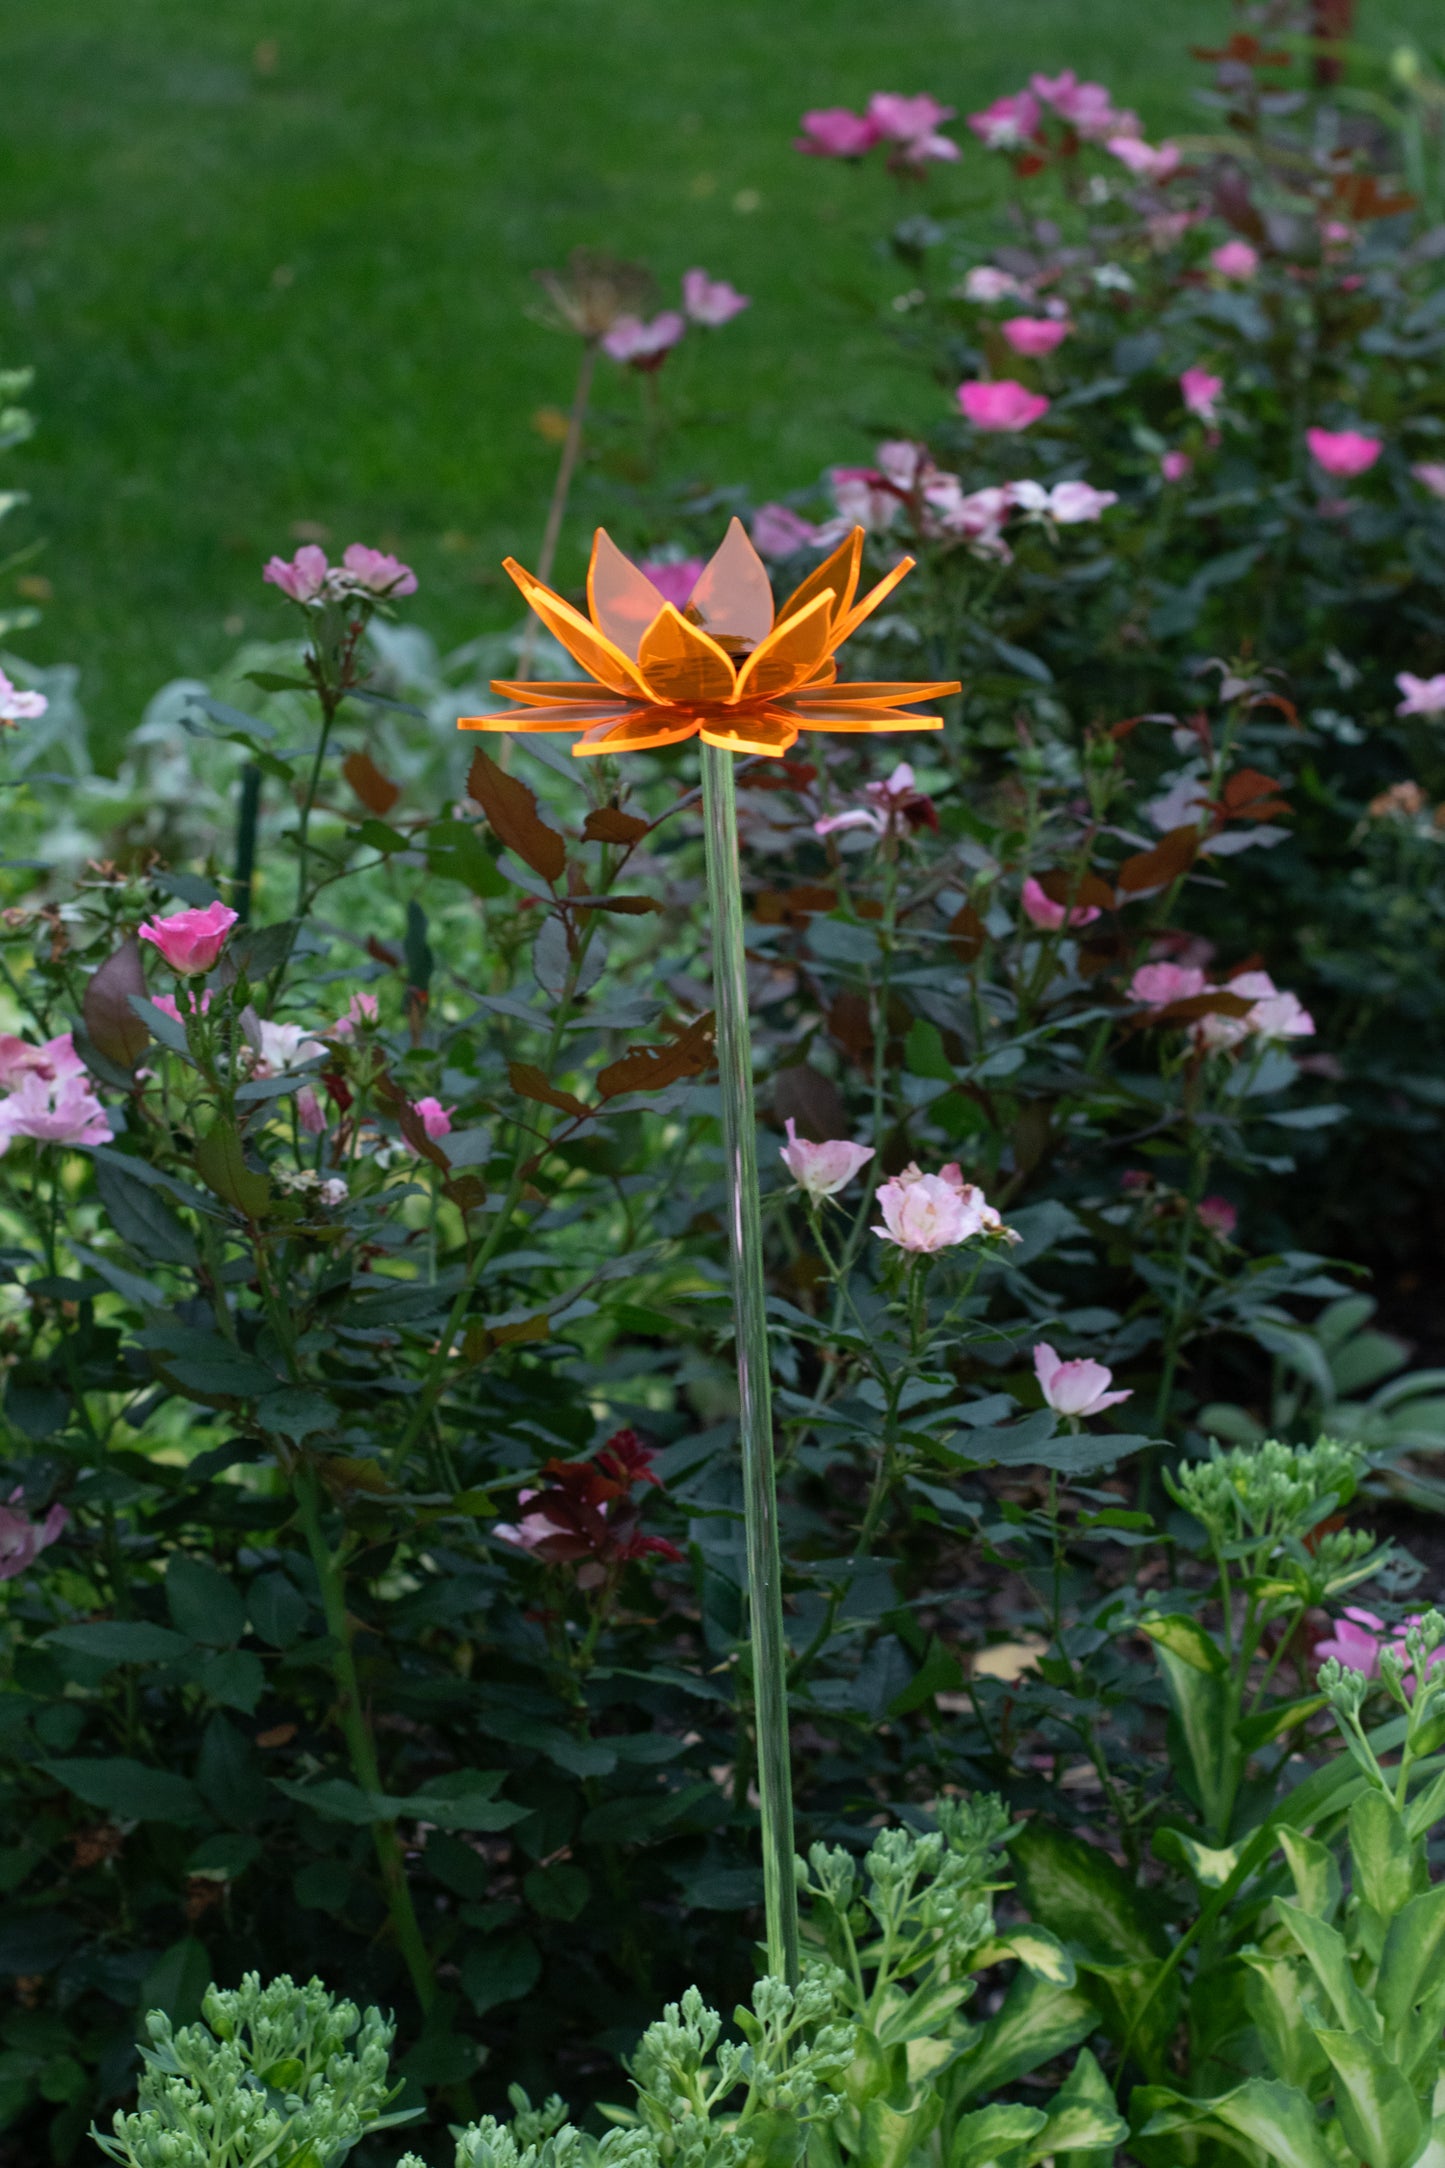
[[190, 941], [1143, 159], [778, 532], [309, 1112], [22, 1539], [436, 1119], [822, 1169], [985, 282], [834, 132], [57, 1110], [1218, 1217], [54, 1058], [927, 1212], [377, 572], [1067, 504], [645, 346], [1343, 452], [1235, 260], [1076, 1388], [1001, 405], [302, 577], [1201, 393], [1430, 474], [1034, 335], [898, 800], [674, 578], [19, 707], [1087, 107], [1159, 986], [1041, 910], [711, 301], [1008, 123], [362, 1011], [282, 1047], [913, 124], [1175, 465], [1423, 696], [1272, 1015]]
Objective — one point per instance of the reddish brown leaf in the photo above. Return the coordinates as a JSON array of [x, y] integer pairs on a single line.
[[112, 1024], [468, 1192], [511, 810], [852, 1027], [532, 1083], [410, 1123], [479, 1340], [376, 791], [1250, 796], [779, 775], [609, 824], [1217, 1002], [1172, 855], [786, 906], [650, 1068], [967, 934], [803, 1095], [1082, 893], [627, 906]]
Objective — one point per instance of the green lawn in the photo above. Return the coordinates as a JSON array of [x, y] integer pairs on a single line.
[[271, 263]]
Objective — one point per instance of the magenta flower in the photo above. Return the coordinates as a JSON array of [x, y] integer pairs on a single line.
[[1175, 465], [1343, 452], [1201, 393], [913, 124], [1087, 107], [436, 1119], [1075, 1388], [1159, 986], [821, 1170], [834, 132], [978, 515], [777, 531], [1008, 123], [1356, 1641], [1235, 260], [711, 301], [1035, 335], [1430, 474], [17, 706], [302, 577], [1041, 910], [309, 1112], [645, 345], [61, 1109], [22, 1539], [1218, 1217], [1001, 404], [674, 578], [1423, 696], [190, 941], [1145, 160], [377, 572]]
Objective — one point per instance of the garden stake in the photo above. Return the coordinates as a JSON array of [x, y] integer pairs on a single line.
[[745, 678]]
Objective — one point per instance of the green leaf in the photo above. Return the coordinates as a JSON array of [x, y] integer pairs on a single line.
[[939, 1673], [1316, 1876], [1210, 1868], [988, 2133], [924, 2013], [129, 1789], [1277, 2118], [278, 1609], [1035, 2022], [271, 681], [141, 1294], [235, 1678], [924, 1052], [1079, 1894], [557, 1893], [178, 1980], [203, 1602], [502, 1969], [119, 1641], [1382, 1854], [455, 852], [1280, 2001], [1084, 2116], [141, 1218], [1185, 1638], [1382, 2120], [1413, 1957], [1210, 1757], [890, 2136], [1325, 1949], [221, 1165], [1040, 1951]]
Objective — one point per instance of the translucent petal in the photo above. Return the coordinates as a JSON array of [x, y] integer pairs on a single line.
[[598, 657], [879, 693], [621, 597], [847, 626], [682, 665], [734, 597], [541, 692], [645, 730], [860, 719], [757, 730], [790, 654], [575, 715], [838, 571]]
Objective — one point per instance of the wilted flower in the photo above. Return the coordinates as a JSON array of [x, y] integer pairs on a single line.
[[834, 132], [1423, 696], [191, 941], [1008, 123], [1041, 910], [778, 531], [822, 1169], [1201, 392], [60, 1109], [1144, 159], [711, 301], [1402, 801], [1344, 453], [1235, 260], [1001, 404], [1035, 335], [644, 345], [586, 1517], [864, 497], [1075, 1388], [593, 292], [17, 706], [23, 1539]]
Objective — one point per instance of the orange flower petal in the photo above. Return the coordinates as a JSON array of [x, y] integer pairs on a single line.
[[848, 625], [598, 657], [734, 597], [878, 693], [577, 715], [762, 730], [681, 665], [620, 596], [790, 654], [838, 571], [848, 717], [643, 731], [542, 692]]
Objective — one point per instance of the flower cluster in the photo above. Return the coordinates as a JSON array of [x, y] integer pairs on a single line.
[[48, 1095], [907, 488], [1272, 1014], [363, 575], [910, 126], [586, 1515], [645, 342]]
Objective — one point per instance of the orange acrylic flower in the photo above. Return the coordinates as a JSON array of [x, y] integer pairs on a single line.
[[727, 668]]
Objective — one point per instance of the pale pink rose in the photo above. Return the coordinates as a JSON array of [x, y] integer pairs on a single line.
[[1430, 474], [864, 498], [190, 941], [822, 1169], [1041, 910], [1337, 232], [926, 1212], [530, 1532], [913, 124], [282, 1047], [436, 1119], [904, 464], [891, 804], [644, 345], [1035, 335], [778, 531], [978, 515], [1159, 986], [375, 572], [1087, 107], [1356, 1641], [1175, 465], [1201, 393], [169, 1006], [985, 282], [834, 132], [711, 301], [1423, 696], [1008, 123], [56, 1110], [302, 577], [22, 1539], [334, 1190], [19, 707], [1343, 452], [309, 1112], [1067, 504], [1218, 1217], [1075, 1388], [362, 1010], [53, 1058], [1235, 260], [1144, 160], [1272, 1016], [674, 578], [1001, 404]]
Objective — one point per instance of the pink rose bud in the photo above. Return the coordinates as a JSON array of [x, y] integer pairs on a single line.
[[190, 941], [22, 1539], [1343, 452], [1074, 1388], [377, 572], [822, 1169], [1217, 1216], [309, 1112], [1001, 405], [436, 1119], [1008, 123]]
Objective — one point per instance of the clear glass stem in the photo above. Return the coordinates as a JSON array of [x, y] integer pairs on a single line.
[[755, 1418]]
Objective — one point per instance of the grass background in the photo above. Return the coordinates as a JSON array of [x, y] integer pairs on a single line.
[[272, 266]]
